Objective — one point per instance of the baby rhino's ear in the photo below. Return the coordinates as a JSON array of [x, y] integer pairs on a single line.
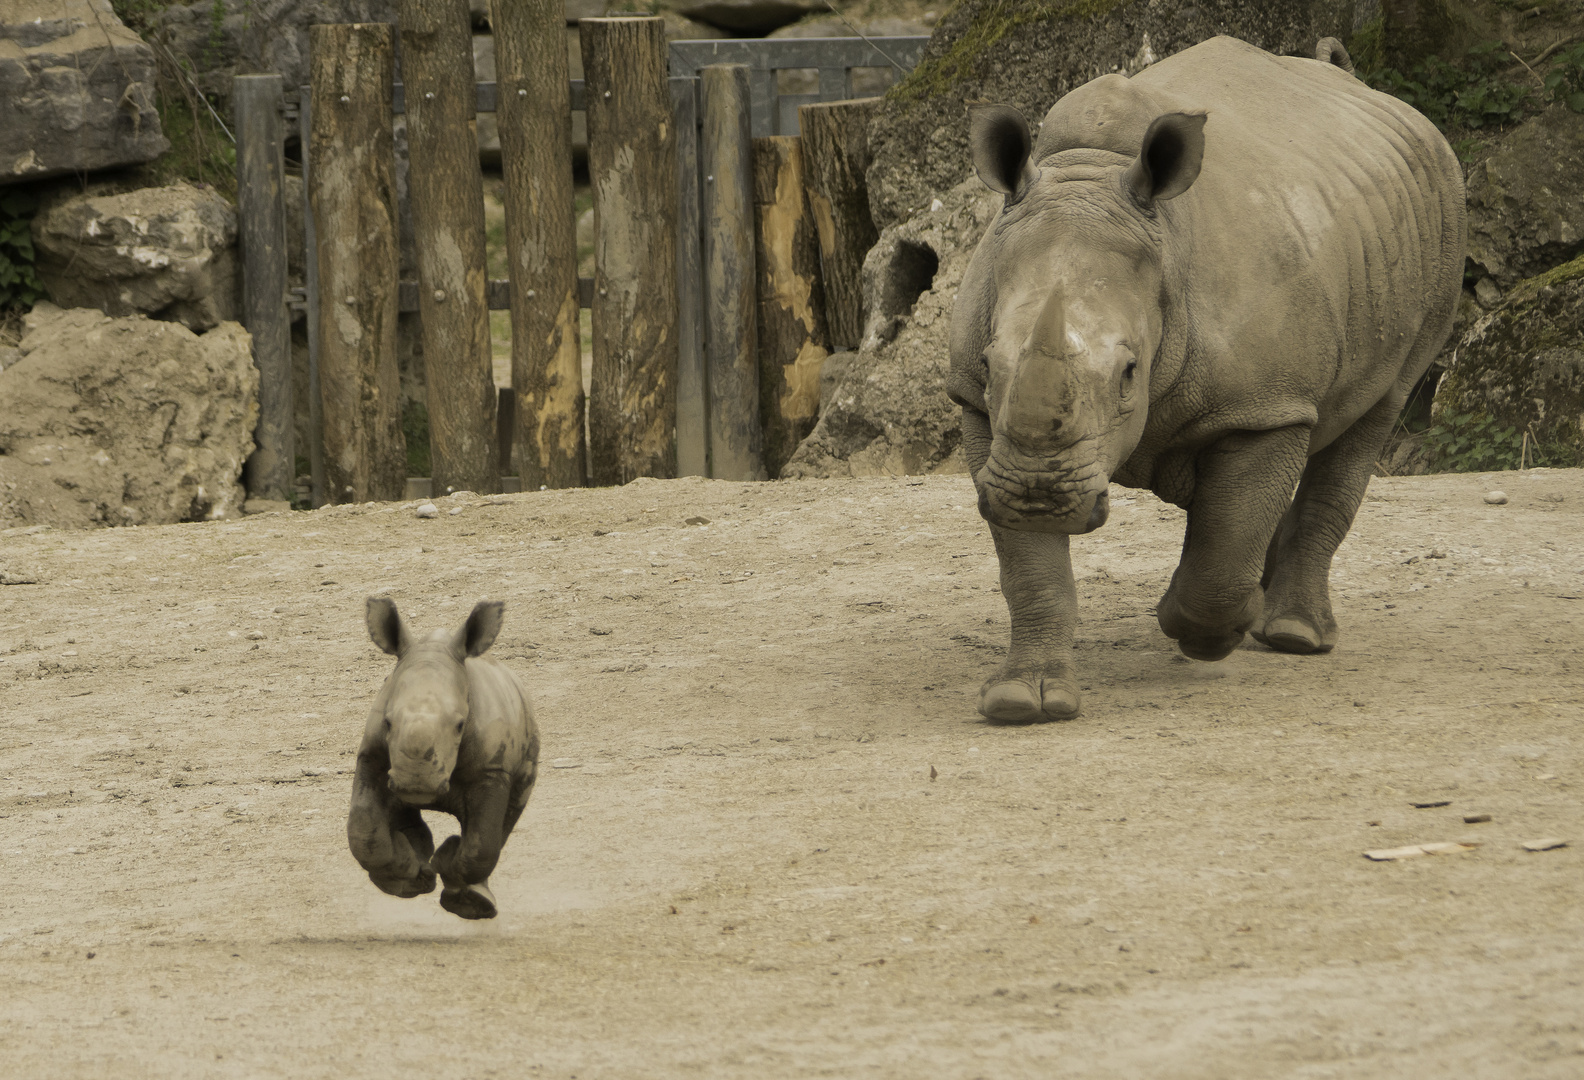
[[478, 633], [385, 625]]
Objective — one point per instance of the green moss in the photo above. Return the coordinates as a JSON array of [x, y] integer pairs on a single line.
[[1529, 288], [940, 76], [1367, 46]]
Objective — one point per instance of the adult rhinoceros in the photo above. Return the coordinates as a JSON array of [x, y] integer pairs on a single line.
[[1218, 280]]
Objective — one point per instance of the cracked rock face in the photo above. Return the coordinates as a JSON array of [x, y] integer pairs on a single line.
[[76, 91], [126, 421], [165, 252], [884, 409], [1526, 201]]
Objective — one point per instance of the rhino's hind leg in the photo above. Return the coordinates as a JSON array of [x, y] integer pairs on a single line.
[[1037, 682], [1242, 486], [1298, 616]]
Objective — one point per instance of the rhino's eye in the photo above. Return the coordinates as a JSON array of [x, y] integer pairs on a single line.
[[387, 723], [459, 725], [1127, 372]]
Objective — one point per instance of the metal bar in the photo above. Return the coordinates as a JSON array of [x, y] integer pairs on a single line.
[[261, 212], [774, 54], [316, 493], [787, 110], [692, 388], [835, 84], [496, 290]]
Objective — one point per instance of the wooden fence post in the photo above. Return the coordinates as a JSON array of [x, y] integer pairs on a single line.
[[261, 209], [447, 192], [352, 193], [633, 171], [692, 391], [534, 115], [835, 157], [792, 334], [731, 315]]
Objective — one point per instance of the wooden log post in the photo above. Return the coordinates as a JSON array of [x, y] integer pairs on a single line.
[[261, 210], [447, 193], [352, 193], [793, 339], [633, 171], [836, 156], [692, 425], [534, 115], [730, 308]]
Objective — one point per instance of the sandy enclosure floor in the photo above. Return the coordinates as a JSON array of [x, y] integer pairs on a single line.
[[737, 862]]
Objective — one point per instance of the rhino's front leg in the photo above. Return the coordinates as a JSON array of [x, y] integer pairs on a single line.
[[465, 862], [1036, 682], [388, 838], [1243, 485]]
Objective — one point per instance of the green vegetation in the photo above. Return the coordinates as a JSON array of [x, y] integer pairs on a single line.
[[1474, 442], [20, 286], [937, 76], [1565, 79], [1467, 96]]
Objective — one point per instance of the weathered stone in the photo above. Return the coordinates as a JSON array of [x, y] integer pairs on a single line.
[[1526, 201], [124, 421], [1028, 53], [168, 252], [1523, 364], [76, 91], [884, 409]]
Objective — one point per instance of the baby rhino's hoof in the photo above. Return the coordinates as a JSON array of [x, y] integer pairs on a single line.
[[469, 902]]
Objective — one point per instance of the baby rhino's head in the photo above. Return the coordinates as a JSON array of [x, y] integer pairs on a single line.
[[426, 710]]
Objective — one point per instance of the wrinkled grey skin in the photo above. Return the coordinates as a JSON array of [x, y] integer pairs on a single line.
[[449, 731], [1218, 280]]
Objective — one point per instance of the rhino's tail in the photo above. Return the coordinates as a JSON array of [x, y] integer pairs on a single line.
[[1331, 51]]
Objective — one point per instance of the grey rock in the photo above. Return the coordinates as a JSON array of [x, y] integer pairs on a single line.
[[1523, 365], [1526, 201], [76, 91], [168, 252], [1487, 294], [126, 421], [1027, 53], [884, 409]]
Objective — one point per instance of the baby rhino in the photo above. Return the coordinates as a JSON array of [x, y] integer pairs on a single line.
[[449, 731]]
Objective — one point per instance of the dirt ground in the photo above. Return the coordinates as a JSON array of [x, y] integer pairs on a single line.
[[772, 838]]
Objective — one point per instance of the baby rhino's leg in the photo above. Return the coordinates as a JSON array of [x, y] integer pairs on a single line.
[[465, 862], [389, 839]]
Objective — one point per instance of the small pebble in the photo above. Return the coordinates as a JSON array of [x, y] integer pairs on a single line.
[[1431, 805], [427, 510], [255, 635], [1547, 844], [1475, 819], [599, 631], [697, 520], [454, 511], [1496, 498]]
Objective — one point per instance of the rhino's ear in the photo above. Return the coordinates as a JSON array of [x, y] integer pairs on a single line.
[[1169, 160], [478, 633], [385, 625], [1000, 139]]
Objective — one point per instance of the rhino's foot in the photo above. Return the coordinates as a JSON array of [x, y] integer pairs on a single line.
[[1296, 634], [469, 901], [406, 887], [1204, 639], [1024, 696]]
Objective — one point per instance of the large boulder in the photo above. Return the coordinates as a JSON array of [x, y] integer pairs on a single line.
[[1522, 366], [126, 421], [168, 252], [884, 409], [1526, 200], [1028, 53], [76, 91]]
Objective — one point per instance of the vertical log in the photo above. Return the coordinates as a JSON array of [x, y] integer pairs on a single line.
[[633, 170], [261, 210], [534, 115], [692, 424], [447, 190], [793, 339], [316, 490], [730, 310], [836, 156], [352, 193]]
